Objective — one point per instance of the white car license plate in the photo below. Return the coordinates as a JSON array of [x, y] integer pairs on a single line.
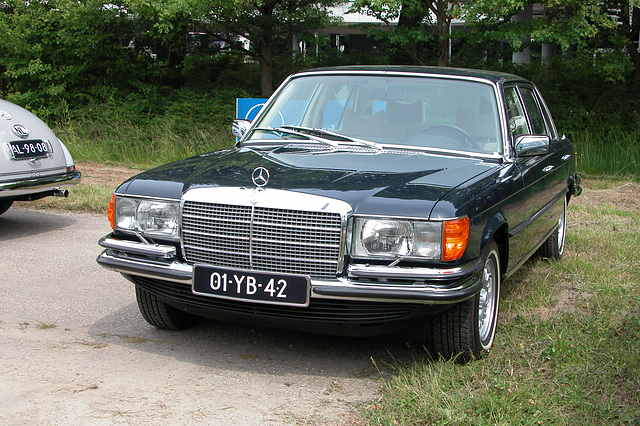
[[28, 149]]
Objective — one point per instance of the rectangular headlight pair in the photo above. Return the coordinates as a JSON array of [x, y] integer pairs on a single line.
[[149, 218], [392, 238]]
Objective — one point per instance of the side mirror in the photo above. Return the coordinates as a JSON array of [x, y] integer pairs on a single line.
[[531, 145], [239, 127]]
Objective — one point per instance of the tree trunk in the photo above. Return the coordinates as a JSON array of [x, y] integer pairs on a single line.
[[266, 47], [410, 18], [266, 69], [440, 9], [443, 39], [631, 34]]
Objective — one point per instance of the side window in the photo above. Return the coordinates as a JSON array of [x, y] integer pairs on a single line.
[[535, 114], [515, 112]]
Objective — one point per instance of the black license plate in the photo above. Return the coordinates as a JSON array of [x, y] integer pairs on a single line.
[[28, 149], [260, 287]]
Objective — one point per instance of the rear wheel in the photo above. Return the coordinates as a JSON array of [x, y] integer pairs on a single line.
[[553, 248], [162, 315], [467, 329], [4, 205]]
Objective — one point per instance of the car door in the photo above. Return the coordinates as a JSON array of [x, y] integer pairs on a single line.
[[532, 220], [561, 153]]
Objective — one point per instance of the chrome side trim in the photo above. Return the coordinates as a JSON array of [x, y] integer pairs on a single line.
[[154, 250], [430, 294], [418, 274], [164, 270]]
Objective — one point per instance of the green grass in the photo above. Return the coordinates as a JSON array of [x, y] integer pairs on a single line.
[[143, 145], [192, 123], [568, 344], [610, 154], [84, 197]]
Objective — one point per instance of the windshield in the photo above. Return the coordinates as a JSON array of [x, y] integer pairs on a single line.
[[414, 111]]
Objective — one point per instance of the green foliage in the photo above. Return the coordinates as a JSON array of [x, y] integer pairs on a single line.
[[230, 23], [416, 30], [586, 92], [564, 22], [131, 63], [57, 55]]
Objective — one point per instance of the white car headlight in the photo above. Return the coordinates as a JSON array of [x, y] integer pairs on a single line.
[[150, 218], [392, 238]]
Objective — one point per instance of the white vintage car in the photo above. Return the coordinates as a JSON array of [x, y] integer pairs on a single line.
[[34, 163]]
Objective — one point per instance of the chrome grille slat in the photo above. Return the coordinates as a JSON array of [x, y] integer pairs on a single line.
[[263, 238]]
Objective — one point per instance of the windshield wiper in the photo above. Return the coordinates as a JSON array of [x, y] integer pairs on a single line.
[[293, 130], [337, 136]]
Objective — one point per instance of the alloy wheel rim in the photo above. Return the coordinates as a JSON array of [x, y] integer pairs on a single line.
[[487, 302], [562, 229]]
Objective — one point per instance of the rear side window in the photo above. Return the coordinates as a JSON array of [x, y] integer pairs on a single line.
[[535, 113]]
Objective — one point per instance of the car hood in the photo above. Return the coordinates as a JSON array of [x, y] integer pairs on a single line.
[[371, 182]]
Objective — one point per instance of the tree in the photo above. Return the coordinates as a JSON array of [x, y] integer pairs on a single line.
[[592, 25], [566, 23], [231, 22], [418, 23], [629, 31], [59, 52]]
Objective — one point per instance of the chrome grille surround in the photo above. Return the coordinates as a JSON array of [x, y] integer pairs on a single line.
[[264, 229]]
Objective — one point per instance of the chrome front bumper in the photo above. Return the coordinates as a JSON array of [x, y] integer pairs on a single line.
[[363, 282], [23, 187]]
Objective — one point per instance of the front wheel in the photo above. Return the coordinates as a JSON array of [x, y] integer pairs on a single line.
[[467, 329], [162, 315], [4, 205]]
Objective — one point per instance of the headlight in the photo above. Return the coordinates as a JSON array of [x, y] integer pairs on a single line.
[[151, 218], [393, 238]]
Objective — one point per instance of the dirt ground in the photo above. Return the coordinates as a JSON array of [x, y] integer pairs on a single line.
[[105, 174]]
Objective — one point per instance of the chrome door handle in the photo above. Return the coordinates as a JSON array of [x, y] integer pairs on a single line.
[[548, 169]]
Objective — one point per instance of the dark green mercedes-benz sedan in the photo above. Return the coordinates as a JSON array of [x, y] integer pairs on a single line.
[[360, 200]]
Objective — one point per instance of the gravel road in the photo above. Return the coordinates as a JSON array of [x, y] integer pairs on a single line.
[[74, 349]]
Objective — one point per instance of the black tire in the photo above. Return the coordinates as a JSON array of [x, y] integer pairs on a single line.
[[553, 248], [466, 331], [4, 205], [162, 315]]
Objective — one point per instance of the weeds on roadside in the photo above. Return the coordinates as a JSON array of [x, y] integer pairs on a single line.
[[46, 325]]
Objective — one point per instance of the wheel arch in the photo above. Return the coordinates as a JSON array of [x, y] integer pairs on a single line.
[[498, 229]]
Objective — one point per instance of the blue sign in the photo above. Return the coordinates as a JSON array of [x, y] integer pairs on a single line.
[[248, 108]]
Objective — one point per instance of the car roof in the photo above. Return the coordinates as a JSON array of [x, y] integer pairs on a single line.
[[492, 76]]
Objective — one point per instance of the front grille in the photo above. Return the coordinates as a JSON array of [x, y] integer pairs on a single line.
[[262, 238]]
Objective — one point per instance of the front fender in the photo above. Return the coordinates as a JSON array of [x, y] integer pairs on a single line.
[[497, 229]]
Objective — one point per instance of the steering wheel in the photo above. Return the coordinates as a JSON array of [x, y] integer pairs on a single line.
[[455, 133]]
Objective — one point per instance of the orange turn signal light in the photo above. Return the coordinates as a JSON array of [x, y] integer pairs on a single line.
[[111, 211], [455, 238]]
